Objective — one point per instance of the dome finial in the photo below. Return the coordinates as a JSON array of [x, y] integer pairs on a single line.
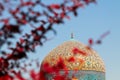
[[72, 36]]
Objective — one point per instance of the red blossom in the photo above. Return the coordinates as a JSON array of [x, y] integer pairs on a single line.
[[5, 21], [37, 38], [47, 68], [60, 77], [60, 64], [90, 41], [63, 15], [54, 6], [42, 75], [41, 28], [6, 77], [14, 12], [71, 59], [34, 75], [89, 1], [78, 51], [19, 76]]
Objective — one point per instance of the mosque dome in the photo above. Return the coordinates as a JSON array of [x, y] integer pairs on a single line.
[[77, 57]]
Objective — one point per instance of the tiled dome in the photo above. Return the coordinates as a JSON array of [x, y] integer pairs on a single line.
[[72, 60], [85, 59]]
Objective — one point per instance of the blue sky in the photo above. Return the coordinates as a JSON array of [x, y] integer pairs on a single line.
[[93, 20]]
